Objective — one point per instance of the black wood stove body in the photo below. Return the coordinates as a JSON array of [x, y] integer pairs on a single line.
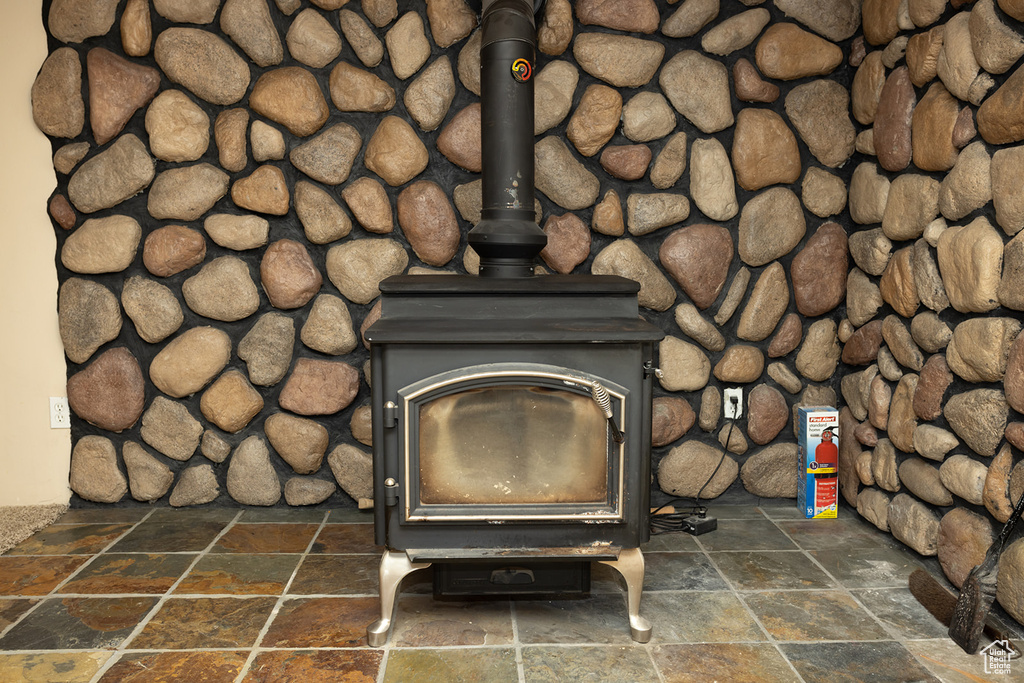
[[511, 412], [511, 425]]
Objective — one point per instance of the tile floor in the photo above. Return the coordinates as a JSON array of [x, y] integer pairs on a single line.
[[210, 595]]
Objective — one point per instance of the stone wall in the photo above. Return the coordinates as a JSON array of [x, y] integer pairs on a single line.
[[235, 178]]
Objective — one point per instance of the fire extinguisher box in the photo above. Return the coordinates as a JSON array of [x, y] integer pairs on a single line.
[[818, 446]]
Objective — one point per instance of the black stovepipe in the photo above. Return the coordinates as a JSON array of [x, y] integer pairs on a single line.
[[507, 238]]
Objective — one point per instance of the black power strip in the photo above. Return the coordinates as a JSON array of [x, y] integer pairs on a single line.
[[695, 525]]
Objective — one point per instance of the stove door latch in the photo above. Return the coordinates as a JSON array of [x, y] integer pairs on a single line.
[[390, 415], [390, 492], [651, 371]]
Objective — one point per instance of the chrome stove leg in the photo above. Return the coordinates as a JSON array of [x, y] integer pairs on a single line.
[[631, 565], [394, 566]]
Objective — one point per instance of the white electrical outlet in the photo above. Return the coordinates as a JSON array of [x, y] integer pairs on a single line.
[[733, 411], [60, 413]]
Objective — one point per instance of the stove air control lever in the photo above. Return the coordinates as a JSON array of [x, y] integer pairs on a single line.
[[604, 402]]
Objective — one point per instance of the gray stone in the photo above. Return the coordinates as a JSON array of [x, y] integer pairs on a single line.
[[930, 333], [102, 245], [152, 307], [837, 21], [670, 163], [649, 212], [862, 297], [733, 440], [328, 157], [450, 21], [735, 32], [698, 88], [979, 418], [267, 348], [873, 505], [772, 472], [933, 442], [923, 481], [711, 181], [767, 303], [179, 130], [964, 477], [148, 478], [67, 157], [328, 328], [979, 348], [468, 64], [94, 472], [214, 447], [968, 185], [970, 260], [249, 24], [683, 365], [301, 442], [428, 97], [686, 469], [710, 408], [72, 21], [187, 192], [901, 343], [691, 17], [187, 11], [361, 37], [737, 288], [408, 46], [222, 290], [190, 361], [887, 365], [1007, 190], [622, 61], [823, 193], [353, 470], [312, 41], [168, 427], [307, 490], [251, 479], [553, 90], [781, 373], [203, 63], [1011, 284], [197, 485], [771, 225], [697, 328], [57, 105], [356, 268], [819, 112], [913, 523], [625, 259], [964, 538], [231, 402], [646, 116], [927, 279], [88, 315], [1009, 591], [562, 178], [869, 191], [237, 232], [323, 220], [819, 354], [117, 173]]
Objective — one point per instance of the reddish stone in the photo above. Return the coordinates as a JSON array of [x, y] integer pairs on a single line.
[[672, 418], [858, 51], [172, 249], [111, 392], [893, 121], [428, 220], [117, 89], [935, 379], [568, 242], [866, 434], [459, 141], [319, 387], [1014, 433], [862, 346], [627, 162], [750, 87], [819, 271], [768, 414], [788, 336], [288, 275], [698, 258], [61, 211]]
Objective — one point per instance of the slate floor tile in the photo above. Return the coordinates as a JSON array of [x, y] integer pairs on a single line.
[[52, 667], [882, 662], [70, 539], [266, 538], [336, 575], [350, 666], [597, 663], [878, 567], [421, 621], [813, 615], [76, 623], [190, 623], [28, 575], [699, 617], [346, 539], [732, 662], [758, 570], [237, 574], [129, 573], [453, 665], [176, 667], [322, 622], [746, 534]]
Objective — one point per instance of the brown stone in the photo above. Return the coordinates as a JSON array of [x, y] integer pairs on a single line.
[[450, 21], [963, 539], [698, 258], [1014, 433], [302, 443], [1013, 380], [61, 211], [231, 402], [288, 274], [867, 88], [94, 474], [319, 387], [672, 417], [57, 105], [265, 190], [790, 333], [740, 363], [923, 55], [935, 379], [970, 260], [867, 435], [624, 258], [819, 271], [622, 61], [395, 152], [893, 121], [223, 290], [380, 12], [980, 347], [596, 117], [556, 28], [979, 418], [897, 285], [292, 97], [878, 402], [117, 89], [749, 85], [368, 201], [428, 221], [819, 111], [626, 162], [768, 301], [912, 205], [787, 52], [568, 242], [361, 38], [429, 96], [764, 150], [698, 88], [902, 420], [880, 21], [1001, 115], [690, 467], [767, 414], [88, 315], [408, 46], [203, 63], [996, 494], [190, 361], [922, 479], [635, 16], [267, 348], [329, 156], [562, 178], [353, 89], [312, 40], [862, 347], [820, 352], [110, 392], [172, 249], [356, 267], [229, 136], [608, 218], [459, 141]]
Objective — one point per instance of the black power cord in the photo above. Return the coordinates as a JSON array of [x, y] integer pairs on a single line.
[[693, 520]]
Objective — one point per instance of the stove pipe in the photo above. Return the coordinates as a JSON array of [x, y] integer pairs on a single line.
[[507, 238]]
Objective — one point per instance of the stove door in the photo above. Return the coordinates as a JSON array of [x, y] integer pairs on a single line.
[[512, 441]]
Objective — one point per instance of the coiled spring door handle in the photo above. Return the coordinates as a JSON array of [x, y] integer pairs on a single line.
[[604, 402]]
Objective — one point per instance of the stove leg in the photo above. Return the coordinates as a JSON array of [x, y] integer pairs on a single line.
[[631, 565], [394, 566]]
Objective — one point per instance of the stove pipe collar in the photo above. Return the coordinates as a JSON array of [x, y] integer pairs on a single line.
[[507, 238]]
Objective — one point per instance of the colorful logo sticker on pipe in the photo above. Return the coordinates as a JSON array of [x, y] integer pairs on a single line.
[[521, 70]]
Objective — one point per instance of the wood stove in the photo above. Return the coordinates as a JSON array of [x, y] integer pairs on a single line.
[[511, 412]]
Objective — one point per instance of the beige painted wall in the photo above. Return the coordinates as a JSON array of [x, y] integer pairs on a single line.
[[34, 459]]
